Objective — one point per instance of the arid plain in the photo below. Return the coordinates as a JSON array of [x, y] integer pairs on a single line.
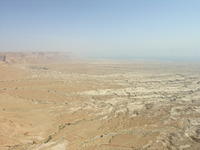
[[53, 104]]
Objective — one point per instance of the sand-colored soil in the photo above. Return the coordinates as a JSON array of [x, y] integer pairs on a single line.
[[99, 105]]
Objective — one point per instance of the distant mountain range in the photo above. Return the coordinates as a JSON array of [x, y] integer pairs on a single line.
[[35, 57]]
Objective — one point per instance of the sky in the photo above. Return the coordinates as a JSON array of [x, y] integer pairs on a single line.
[[103, 28]]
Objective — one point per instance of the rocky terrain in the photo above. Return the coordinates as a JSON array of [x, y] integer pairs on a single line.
[[99, 105]]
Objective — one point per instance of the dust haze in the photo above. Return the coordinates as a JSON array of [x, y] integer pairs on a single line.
[[99, 75]]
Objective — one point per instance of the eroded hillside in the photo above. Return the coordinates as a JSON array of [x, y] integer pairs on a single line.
[[99, 105]]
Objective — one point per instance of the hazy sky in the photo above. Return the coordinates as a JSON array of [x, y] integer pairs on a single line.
[[104, 28]]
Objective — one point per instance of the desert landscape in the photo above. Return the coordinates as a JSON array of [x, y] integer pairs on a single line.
[[71, 104]]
